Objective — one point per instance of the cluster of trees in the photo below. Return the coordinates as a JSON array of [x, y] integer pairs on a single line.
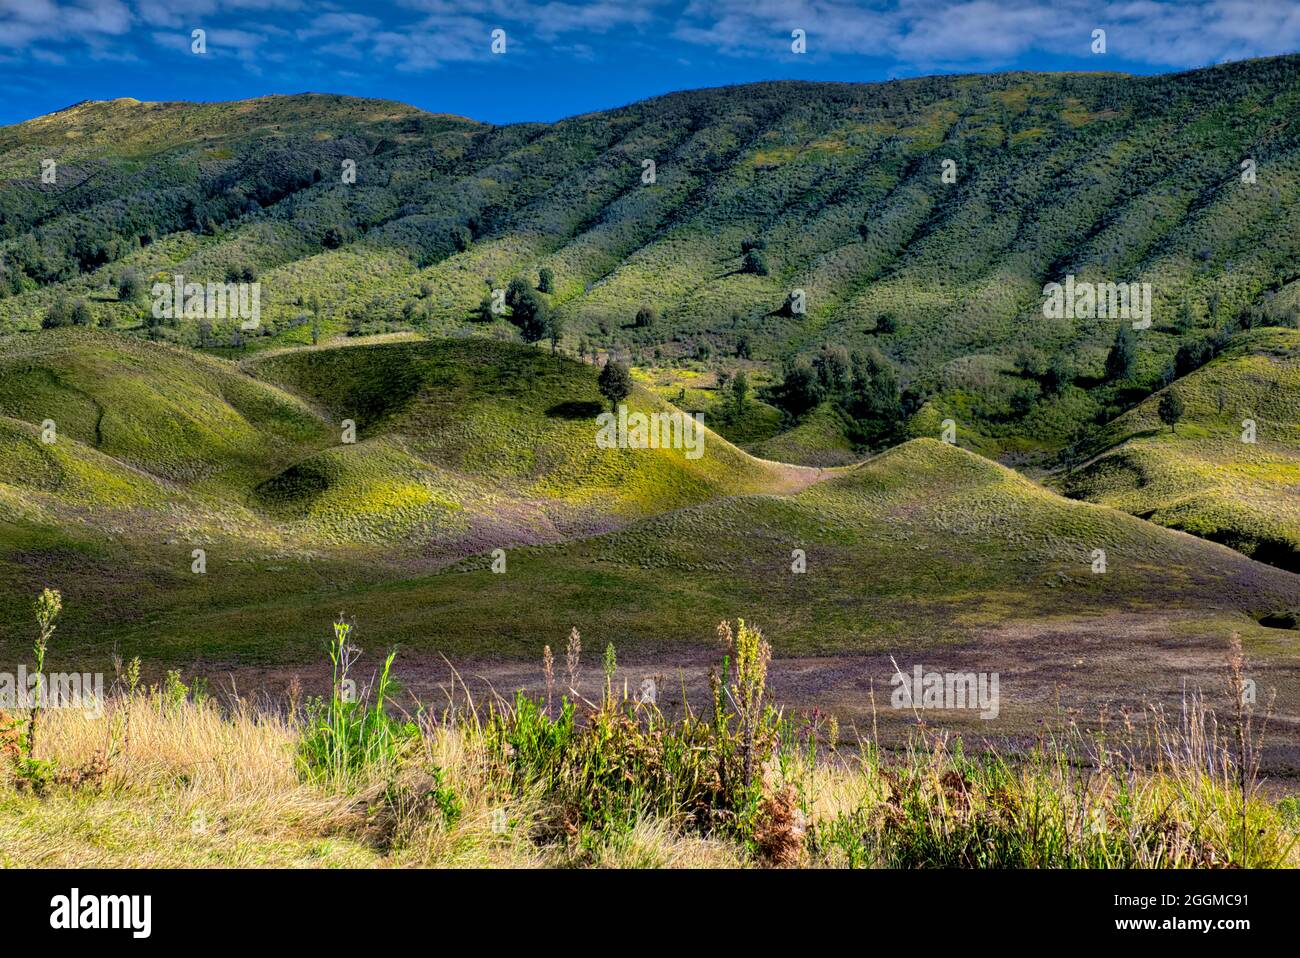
[[529, 311], [67, 312], [863, 384]]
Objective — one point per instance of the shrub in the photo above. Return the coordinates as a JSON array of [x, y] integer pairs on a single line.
[[754, 262]]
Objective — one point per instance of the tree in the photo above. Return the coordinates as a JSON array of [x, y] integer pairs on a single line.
[[875, 400], [130, 287], [1192, 356], [1060, 373], [886, 324], [530, 314], [516, 290], [740, 391], [754, 262], [799, 391], [1171, 410], [546, 280], [615, 382], [646, 317], [554, 330], [1122, 358], [833, 365]]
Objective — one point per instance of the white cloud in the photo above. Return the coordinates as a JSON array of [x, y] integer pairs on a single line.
[[422, 35], [956, 33]]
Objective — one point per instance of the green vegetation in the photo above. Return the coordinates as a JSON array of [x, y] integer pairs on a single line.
[[832, 189], [621, 781], [1231, 469]]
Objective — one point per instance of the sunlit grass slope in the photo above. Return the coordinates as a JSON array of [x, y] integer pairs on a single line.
[[514, 419], [1201, 476], [924, 545]]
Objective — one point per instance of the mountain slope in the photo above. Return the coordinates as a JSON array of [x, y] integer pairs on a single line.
[[1203, 476], [1109, 177]]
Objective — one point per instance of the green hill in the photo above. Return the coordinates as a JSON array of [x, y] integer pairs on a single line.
[[1109, 177], [819, 439], [1203, 476], [449, 436], [921, 547]]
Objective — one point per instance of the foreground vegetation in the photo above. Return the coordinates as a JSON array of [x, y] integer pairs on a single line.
[[170, 776]]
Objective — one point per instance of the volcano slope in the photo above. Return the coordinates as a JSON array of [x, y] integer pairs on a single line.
[[924, 555], [1104, 176], [1229, 470]]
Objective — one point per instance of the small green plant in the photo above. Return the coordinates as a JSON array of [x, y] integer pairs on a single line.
[[345, 736], [611, 666], [18, 738], [48, 606]]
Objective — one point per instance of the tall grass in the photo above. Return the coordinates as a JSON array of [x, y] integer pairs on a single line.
[[188, 780], [348, 735]]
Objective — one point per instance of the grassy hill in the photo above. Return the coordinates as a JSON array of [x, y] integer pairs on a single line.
[[1108, 177], [925, 545], [1202, 476], [461, 447], [440, 427], [820, 439]]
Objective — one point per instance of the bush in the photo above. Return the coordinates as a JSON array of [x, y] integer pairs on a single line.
[[754, 262]]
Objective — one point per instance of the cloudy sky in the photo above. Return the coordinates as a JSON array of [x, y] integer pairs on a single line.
[[567, 56]]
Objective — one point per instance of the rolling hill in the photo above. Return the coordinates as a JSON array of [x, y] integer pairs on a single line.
[[1230, 469], [466, 446]]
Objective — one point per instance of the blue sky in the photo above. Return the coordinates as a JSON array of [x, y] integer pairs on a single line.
[[564, 57]]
